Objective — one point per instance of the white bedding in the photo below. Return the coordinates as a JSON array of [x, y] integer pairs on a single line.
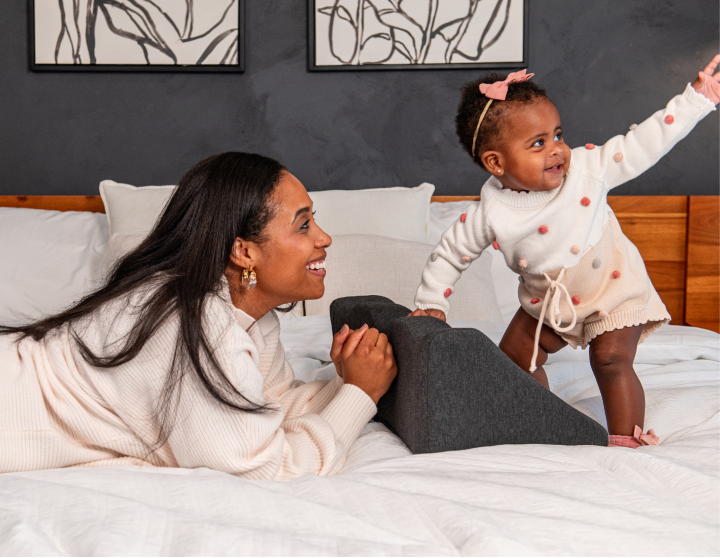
[[503, 500]]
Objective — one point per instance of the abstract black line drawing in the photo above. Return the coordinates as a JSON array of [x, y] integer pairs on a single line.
[[174, 35], [417, 34]]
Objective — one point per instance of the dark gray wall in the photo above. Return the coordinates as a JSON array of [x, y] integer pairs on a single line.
[[605, 63]]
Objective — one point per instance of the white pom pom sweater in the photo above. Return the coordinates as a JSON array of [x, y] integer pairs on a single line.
[[548, 231], [56, 410]]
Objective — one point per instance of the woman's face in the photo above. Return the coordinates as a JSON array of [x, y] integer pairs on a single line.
[[290, 263]]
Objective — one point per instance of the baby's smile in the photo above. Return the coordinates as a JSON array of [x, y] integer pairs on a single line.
[[557, 169]]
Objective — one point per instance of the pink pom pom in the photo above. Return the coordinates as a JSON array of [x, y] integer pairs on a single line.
[[448, 292], [669, 119], [575, 249], [522, 264], [585, 202], [534, 301], [576, 300], [543, 229], [496, 245], [589, 146], [463, 217], [616, 274]]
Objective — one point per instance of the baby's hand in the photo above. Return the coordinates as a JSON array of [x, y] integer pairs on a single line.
[[708, 84], [430, 312]]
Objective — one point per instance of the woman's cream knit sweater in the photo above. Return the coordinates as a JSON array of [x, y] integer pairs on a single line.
[[58, 411]]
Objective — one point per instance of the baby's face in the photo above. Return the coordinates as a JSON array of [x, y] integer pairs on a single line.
[[532, 156]]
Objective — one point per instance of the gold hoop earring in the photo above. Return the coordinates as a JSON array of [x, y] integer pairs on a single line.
[[249, 278]]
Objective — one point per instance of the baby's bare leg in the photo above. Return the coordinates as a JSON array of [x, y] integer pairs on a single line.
[[519, 340], [611, 357]]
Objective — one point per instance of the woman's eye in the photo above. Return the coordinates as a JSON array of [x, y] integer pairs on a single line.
[[306, 224]]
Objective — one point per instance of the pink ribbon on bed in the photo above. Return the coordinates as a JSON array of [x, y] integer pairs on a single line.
[[637, 440], [649, 439], [499, 89]]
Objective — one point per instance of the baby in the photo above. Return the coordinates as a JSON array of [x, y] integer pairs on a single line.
[[582, 281]]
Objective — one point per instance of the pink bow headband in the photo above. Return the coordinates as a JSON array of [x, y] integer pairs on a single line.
[[498, 91]]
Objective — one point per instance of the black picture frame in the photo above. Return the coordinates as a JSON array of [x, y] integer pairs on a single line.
[[194, 68], [313, 67]]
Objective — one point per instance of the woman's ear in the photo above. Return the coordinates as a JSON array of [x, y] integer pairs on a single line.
[[493, 162], [243, 253]]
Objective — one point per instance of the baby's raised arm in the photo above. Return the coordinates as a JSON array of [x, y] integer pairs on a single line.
[[459, 246], [623, 158]]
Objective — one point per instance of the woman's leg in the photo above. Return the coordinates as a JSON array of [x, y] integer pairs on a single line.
[[611, 357], [519, 341]]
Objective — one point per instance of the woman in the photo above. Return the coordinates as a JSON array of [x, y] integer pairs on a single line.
[[176, 361]]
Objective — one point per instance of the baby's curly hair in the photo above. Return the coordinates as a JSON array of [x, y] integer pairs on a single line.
[[472, 103]]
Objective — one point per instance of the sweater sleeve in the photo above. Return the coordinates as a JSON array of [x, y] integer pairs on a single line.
[[326, 418], [623, 158], [459, 246]]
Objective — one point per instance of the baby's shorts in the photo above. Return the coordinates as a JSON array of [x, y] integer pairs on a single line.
[[610, 287]]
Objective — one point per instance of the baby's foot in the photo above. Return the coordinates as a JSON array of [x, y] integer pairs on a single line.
[[635, 441]]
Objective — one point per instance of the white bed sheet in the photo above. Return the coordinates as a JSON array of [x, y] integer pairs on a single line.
[[503, 500]]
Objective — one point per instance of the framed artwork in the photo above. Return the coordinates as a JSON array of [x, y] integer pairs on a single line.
[[417, 34], [137, 35]]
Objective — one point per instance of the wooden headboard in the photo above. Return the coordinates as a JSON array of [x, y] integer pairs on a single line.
[[678, 237]]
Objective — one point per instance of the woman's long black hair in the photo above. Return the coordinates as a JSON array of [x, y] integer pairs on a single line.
[[221, 198]]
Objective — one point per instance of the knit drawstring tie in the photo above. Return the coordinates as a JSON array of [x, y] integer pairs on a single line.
[[555, 289]]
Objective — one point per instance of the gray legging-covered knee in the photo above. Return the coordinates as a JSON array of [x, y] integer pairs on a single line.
[[455, 389]]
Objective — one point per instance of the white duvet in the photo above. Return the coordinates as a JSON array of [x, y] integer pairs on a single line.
[[502, 500]]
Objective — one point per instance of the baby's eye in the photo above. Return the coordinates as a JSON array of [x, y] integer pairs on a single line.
[[538, 143], [558, 136]]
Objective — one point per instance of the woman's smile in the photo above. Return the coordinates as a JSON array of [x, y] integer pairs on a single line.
[[317, 267]]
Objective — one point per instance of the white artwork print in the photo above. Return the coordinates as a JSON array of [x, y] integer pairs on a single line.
[[136, 32], [389, 32]]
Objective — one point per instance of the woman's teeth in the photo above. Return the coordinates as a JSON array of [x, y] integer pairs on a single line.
[[316, 265]]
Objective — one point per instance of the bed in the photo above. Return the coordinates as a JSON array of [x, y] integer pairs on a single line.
[[502, 500]]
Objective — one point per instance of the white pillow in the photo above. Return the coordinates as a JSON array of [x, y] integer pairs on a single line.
[[367, 264], [131, 213], [402, 213], [49, 259], [505, 280], [398, 212]]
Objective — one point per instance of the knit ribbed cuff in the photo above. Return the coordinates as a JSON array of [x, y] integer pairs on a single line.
[[430, 294], [698, 100], [348, 413], [433, 307]]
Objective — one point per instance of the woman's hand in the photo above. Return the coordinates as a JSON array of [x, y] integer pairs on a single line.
[[338, 342], [430, 312], [364, 358], [708, 84]]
